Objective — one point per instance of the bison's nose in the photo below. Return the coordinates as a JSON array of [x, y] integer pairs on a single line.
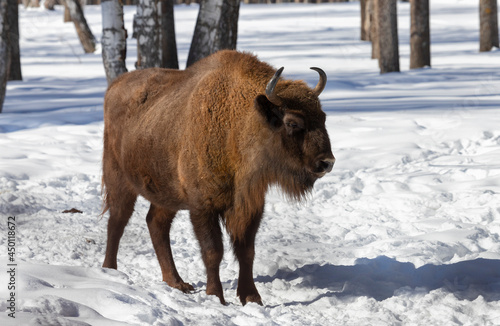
[[326, 165]]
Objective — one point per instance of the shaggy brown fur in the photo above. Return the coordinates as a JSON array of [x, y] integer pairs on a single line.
[[208, 140]]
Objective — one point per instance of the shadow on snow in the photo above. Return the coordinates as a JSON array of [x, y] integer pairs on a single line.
[[382, 278]]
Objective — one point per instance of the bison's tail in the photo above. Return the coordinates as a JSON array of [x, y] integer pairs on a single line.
[[104, 195]]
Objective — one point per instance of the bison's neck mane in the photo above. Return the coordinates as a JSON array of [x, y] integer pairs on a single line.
[[296, 184]]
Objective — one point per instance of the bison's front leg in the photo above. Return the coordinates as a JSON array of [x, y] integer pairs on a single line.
[[159, 222], [208, 232], [244, 249]]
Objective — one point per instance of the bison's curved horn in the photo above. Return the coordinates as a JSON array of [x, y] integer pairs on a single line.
[[270, 93], [322, 81]]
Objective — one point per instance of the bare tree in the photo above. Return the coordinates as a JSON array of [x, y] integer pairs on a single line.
[[4, 50], [147, 32], [488, 20], [372, 25], [82, 28], [168, 44], [216, 28], [388, 36], [365, 36], [114, 39], [49, 4], [15, 55], [420, 39], [31, 3]]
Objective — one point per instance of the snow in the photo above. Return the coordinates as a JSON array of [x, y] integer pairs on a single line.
[[404, 230]]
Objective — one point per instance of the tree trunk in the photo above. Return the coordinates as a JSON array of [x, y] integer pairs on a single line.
[[114, 39], [365, 36], [168, 45], [4, 50], [15, 55], [67, 15], [147, 32], [488, 21], [82, 28], [216, 28], [49, 4], [420, 40], [372, 8], [388, 36], [31, 3]]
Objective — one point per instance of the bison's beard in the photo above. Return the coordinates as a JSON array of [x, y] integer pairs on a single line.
[[296, 184]]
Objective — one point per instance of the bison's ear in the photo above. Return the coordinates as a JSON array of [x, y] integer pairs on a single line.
[[271, 112]]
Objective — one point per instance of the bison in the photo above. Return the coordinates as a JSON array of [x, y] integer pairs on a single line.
[[210, 139]]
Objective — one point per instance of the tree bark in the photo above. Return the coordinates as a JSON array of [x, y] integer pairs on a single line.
[[4, 50], [168, 44], [15, 55], [147, 31], [388, 36], [216, 28], [31, 3], [49, 4], [420, 40], [488, 20], [372, 8], [82, 28], [114, 39], [67, 15], [365, 35]]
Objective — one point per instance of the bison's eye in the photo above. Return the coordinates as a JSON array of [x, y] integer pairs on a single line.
[[293, 124]]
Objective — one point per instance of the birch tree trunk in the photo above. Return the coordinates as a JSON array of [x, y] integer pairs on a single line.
[[114, 39], [82, 28], [147, 32], [4, 50], [168, 44], [388, 36], [216, 28], [488, 20], [15, 55], [420, 40]]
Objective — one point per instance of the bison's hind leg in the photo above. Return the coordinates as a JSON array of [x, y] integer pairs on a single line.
[[119, 200], [159, 222]]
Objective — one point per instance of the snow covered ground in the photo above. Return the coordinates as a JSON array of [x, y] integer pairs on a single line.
[[404, 231]]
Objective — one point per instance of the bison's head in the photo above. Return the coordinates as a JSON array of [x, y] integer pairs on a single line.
[[300, 143]]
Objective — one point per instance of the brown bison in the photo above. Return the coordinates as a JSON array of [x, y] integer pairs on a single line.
[[210, 139]]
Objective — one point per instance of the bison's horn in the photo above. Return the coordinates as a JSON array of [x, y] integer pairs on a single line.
[[322, 81], [270, 92]]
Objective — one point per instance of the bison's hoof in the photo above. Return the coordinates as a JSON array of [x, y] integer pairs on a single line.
[[217, 293], [251, 298], [184, 287]]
